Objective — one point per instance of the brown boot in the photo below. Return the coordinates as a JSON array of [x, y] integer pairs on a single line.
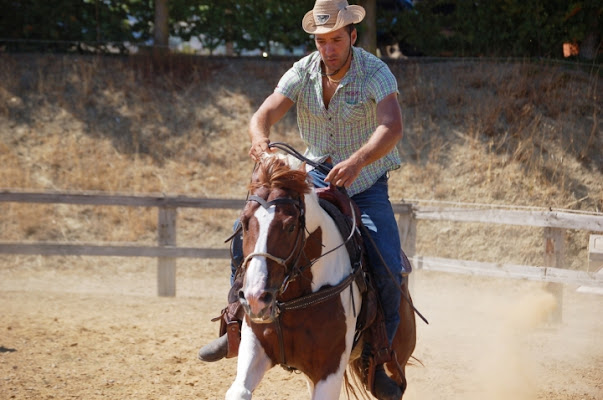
[[215, 350], [227, 345], [384, 387]]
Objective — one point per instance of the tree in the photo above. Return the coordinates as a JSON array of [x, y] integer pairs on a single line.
[[368, 36], [510, 28], [522, 28], [258, 24], [161, 32]]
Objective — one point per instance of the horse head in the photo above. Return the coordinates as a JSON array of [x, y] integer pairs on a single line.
[[273, 222]]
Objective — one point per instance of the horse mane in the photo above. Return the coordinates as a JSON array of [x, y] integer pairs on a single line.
[[274, 172]]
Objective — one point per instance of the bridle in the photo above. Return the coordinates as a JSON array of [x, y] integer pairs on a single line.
[[292, 259]]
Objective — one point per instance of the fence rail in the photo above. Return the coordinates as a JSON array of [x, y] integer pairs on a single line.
[[66, 249], [554, 224], [543, 219], [103, 199]]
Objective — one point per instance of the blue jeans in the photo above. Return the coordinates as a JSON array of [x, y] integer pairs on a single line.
[[378, 216]]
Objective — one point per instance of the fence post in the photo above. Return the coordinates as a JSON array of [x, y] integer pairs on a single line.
[[407, 227], [554, 256], [166, 266]]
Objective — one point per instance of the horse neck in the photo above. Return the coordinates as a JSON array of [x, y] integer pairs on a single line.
[[335, 266]]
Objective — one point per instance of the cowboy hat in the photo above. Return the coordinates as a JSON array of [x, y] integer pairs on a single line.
[[330, 15]]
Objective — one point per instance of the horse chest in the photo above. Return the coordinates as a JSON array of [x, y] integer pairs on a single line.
[[313, 339]]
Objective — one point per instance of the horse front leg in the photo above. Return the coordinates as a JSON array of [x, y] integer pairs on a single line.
[[252, 364], [329, 388]]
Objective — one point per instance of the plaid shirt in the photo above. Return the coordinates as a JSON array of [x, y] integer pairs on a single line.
[[351, 118]]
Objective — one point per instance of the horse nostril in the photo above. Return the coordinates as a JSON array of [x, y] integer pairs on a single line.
[[266, 297], [241, 295]]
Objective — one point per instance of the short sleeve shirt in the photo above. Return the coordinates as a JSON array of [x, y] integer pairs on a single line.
[[351, 118]]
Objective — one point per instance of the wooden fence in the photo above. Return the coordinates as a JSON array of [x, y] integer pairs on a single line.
[[166, 250], [554, 225]]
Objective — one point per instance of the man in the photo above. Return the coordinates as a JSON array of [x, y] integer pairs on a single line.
[[348, 116]]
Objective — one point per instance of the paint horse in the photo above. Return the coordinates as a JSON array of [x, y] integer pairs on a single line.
[[300, 291]]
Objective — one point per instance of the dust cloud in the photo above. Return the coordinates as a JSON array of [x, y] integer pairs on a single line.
[[508, 368]]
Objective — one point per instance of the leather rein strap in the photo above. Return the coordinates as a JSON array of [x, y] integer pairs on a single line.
[[320, 296]]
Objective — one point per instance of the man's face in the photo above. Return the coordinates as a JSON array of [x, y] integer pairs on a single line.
[[334, 47]]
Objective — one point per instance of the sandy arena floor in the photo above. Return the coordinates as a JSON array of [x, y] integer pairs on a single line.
[[83, 328]]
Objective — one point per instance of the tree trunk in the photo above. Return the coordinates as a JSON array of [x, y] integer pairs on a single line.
[[589, 48], [161, 31], [368, 37]]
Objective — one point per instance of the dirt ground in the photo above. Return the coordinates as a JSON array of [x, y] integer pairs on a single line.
[[91, 328]]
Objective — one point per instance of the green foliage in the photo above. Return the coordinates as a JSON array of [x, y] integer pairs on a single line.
[[65, 22], [248, 25], [266, 21], [520, 28]]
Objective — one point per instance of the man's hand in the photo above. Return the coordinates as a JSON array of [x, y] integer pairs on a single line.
[[271, 111], [258, 147], [381, 142], [344, 173]]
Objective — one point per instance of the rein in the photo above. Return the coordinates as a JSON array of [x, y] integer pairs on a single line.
[[320, 296], [290, 150]]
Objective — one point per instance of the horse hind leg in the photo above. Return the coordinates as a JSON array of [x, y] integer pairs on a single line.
[[405, 339], [329, 388], [397, 372]]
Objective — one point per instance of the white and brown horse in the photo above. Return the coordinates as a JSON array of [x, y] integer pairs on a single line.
[[299, 290]]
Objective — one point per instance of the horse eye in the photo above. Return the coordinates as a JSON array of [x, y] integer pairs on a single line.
[[291, 228]]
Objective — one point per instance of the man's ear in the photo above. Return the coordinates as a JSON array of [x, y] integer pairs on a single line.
[[353, 36]]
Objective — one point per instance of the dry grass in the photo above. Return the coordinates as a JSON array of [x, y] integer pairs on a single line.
[[479, 132]]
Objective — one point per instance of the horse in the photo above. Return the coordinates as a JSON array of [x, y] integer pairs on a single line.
[[300, 292]]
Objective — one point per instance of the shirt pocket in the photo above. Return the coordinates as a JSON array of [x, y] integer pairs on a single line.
[[353, 112]]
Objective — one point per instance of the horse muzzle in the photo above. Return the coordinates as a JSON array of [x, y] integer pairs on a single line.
[[262, 308]]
